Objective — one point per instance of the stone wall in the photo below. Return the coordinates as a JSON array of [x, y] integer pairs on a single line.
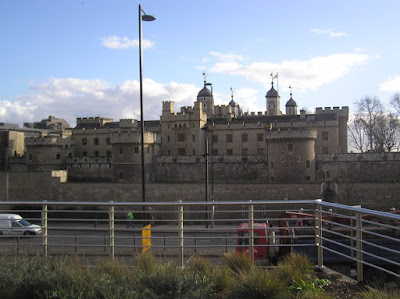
[[39, 186]]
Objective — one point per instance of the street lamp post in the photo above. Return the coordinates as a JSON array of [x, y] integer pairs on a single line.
[[142, 17], [212, 153]]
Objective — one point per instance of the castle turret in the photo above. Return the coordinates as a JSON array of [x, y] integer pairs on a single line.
[[206, 98], [273, 101], [291, 105]]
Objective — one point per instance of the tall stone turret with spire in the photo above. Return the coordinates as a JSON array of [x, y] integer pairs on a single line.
[[291, 105], [206, 98], [273, 100]]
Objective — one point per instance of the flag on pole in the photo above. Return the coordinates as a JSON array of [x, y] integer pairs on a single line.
[[276, 76]]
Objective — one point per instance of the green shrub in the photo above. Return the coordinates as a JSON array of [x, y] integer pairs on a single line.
[[199, 265], [238, 262], [258, 283], [169, 281], [146, 262], [294, 267]]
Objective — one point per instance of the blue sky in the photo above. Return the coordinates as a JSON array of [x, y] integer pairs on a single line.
[[79, 58]]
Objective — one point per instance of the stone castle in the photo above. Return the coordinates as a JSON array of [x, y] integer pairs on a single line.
[[279, 151]]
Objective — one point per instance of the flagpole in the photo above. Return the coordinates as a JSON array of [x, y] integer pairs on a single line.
[[277, 81]]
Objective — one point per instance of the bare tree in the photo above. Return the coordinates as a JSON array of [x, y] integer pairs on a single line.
[[368, 110], [386, 132], [395, 102], [358, 138], [372, 129]]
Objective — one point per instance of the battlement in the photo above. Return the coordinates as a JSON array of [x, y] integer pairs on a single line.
[[307, 133], [344, 111], [93, 120], [128, 123], [168, 106], [37, 141], [186, 109]]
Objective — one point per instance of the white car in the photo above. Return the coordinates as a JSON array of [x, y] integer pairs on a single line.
[[13, 224]]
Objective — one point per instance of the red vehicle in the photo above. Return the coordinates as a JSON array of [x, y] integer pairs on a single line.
[[263, 237]]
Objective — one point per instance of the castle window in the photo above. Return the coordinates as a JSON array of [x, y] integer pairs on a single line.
[[328, 176], [282, 159], [108, 153], [260, 151], [168, 138], [84, 154], [245, 138], [58, 156], [70, 155], [298, 159], [272, 179], [121, 175], [325, 135], [321, 176], [244, 151], [193, 126], [181, 137], [229, 151], [30, 157], [194, 152], [136, 150], [96, 153], [193, 138], [108, 140], [308, 164], [181, 151], [84, 141], [308, 179], [290, 147], [260, 137], [121, 150], [96, 141], [229, 138], [272, 164], [168, 152], [215, 139]]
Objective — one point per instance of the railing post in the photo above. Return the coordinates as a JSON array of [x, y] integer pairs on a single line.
[[318, 234], [44, 228], [360, 270], [251, 231], [180, 228], [112, 230]]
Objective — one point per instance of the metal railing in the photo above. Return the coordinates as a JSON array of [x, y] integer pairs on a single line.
[[327, 232]]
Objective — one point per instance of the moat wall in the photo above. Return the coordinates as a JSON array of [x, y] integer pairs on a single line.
[[39, 186]]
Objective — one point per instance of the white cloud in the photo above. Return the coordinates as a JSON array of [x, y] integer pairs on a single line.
[[330, 32], [301, 74], [392, 85], [227, 57], [70, 98], [116, 42]]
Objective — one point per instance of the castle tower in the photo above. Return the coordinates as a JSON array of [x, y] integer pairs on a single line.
[[273, 101], [206, 99], [291, 105]]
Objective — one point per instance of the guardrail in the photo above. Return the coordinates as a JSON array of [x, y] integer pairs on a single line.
[[329, 233]]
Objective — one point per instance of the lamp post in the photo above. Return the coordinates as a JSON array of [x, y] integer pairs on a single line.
[[142, 17], [212, 152]]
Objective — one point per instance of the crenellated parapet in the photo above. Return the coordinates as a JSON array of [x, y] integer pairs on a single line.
[[344, 111], [132, 138], [278, 134], [47, 141], [93, 120]]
